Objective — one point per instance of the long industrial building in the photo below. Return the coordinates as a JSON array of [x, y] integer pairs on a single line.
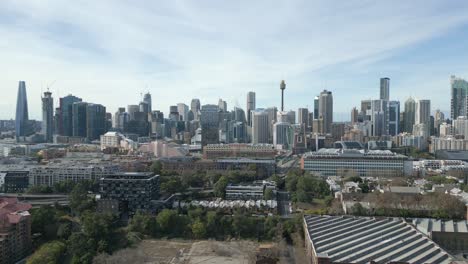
[[329, 162], [342, 239]]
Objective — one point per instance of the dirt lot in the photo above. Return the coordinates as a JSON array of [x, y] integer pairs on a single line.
[[183, 252]]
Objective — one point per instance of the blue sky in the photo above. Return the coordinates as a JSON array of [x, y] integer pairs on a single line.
[[109, 52]]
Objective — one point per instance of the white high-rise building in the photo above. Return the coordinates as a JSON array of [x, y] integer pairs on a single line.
[[250, 107], [222, 105], [303, 117], [423, 114], [183, 110], [48, 116], [460, 126]]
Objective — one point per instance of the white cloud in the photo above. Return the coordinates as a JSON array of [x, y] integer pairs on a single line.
[[110, 51]]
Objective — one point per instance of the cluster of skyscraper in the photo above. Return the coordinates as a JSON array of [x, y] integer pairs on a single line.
[[73, 117], [382, 117], [213, 123]]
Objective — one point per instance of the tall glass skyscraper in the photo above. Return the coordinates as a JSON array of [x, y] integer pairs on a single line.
[[458, 103], [148, 101], [65, 124], [22, 118], [326, 109], [385, 88]]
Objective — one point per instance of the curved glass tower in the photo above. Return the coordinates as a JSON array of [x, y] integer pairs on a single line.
[[21, 119]]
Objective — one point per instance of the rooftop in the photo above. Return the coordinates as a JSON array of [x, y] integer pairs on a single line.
[[354, 153], [365, 239], [428, 225], [131, 176]]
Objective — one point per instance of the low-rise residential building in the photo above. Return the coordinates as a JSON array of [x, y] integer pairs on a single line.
[[15, 230], [344, 239], [329, 162], [448, 143], [254, 191], [49, 175]]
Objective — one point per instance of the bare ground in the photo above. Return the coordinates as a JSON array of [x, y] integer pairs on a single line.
[[183, 252]]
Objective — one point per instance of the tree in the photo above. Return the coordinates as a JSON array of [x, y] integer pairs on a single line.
[[173, 185], [44, 221], [98, 227], [39, 189], [166, 220], [64, 230], [140, 223], [212, 223], [81, 248], [156, 167], [79, 200], [198, 229], [268, 195], [219, 189], [49, 253]]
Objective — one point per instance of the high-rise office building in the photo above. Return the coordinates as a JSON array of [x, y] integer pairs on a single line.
[[79, 123], [281, 135], [303, 117], [316, 107], [22, 118], [326, 109], [209, 123], [65, 124], [385, 88], [393, 118], [195, 108], [95, 121], [132, 111], [379, 117], [183, 110], [260, 126], [144, 107], [366, 106], [409, 116], [222, 105], [121, 119], [272, 114], [291, 117], [148, 101], [423, 114], [458, 103], [239, 115], [439, 118], [174, 113], [250, 107], [47, 116], [354, 115]]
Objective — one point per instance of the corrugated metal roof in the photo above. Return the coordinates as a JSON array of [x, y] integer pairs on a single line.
[[428, 225], [347, 239]]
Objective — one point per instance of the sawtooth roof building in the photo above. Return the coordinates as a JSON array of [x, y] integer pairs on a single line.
[[342, 239]]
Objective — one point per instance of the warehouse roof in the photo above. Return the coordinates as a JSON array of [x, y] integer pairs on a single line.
[[428, 225], [346, 239]]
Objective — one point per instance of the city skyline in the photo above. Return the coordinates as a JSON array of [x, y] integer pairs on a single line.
[[91, 60]]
